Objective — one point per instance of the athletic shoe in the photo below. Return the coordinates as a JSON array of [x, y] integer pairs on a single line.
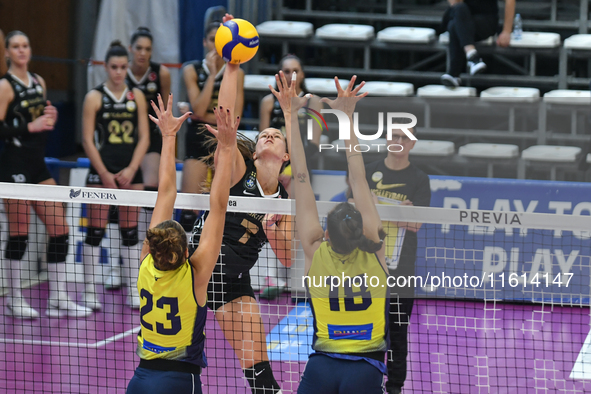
[[449, 81], [91, 301], [113, 280], [475, 64], [133, 297], [19, 308], [66, 307]]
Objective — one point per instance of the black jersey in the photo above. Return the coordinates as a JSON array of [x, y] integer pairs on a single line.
[[28, 104], [202, 73], [392, 186], [116, 131], [243, 232], [149, 84]]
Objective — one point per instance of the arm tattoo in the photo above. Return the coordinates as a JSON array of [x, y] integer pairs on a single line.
[[302, 177]]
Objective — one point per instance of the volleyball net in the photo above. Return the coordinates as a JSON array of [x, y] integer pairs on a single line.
[[500, 300]]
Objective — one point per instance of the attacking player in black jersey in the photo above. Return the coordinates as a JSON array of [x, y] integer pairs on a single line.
[[203, 80], [116, 119], [152, 79], [255, 173], [25, 119]]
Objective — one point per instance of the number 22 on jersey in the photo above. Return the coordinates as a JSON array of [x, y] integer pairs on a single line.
[[120, 133]]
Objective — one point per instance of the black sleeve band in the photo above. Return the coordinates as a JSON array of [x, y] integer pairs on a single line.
[[8, 131]]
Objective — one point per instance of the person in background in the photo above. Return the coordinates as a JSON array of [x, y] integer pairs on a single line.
[[115, 118], [26, 117], [470, 21], [395, 180], [152, 79], [203, 80]]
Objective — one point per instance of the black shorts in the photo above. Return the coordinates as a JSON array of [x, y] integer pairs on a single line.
[[17, 166], [155, 140], [226, 284], [93, 177], [195, 141]]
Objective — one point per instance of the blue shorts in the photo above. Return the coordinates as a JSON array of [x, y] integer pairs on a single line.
[[163, 382], [329, 375]]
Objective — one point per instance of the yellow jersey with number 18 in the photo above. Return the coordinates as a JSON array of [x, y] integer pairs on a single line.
[[172, 320], [353, 317]]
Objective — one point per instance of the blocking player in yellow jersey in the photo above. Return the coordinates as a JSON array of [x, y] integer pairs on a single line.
[[350, 319], [173, 286]]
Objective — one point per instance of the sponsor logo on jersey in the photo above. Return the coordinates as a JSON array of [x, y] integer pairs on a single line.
[[105, 99], [18, 88], [106, 115], [130, 95], [155, 348], [24, 103], [39, 89], [152, 76], [360, 332], [130, 106], [151, 87], [250, 182]]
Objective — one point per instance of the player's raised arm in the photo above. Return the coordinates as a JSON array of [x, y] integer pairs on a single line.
[[205, 257], [169, 125], [307, 223], [346, 102]]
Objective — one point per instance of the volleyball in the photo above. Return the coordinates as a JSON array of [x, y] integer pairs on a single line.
[[237, 41]]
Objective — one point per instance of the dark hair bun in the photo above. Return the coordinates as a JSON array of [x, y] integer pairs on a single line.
[[115, 43]]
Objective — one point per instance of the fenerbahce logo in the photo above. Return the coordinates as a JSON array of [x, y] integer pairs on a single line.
[[92, 195], [378, 178]]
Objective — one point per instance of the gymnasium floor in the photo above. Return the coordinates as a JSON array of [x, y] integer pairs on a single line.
[[455, 347]]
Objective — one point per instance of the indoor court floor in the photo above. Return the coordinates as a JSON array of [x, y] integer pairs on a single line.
[[455, 347]]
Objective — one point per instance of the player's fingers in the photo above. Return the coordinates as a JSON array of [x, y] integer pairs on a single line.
[[160, 103], [153, 119], [184, 117], [284, 81], [338, 85], [351, 83], [169, 105], [156, 109], [356, 90], [279, 82], [275, 93], [211, 130]]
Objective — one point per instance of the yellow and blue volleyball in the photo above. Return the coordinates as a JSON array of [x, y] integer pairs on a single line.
[[237, 41]]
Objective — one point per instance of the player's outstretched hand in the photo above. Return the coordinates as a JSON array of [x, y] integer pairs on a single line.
[[169, 125], [227, 127], [287, 94], [348, 98]]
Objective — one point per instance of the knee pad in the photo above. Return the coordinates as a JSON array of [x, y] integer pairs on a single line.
[[188, 219], [260, 377], [57, 250], [129, 236], [94, 236], [16, 247]]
